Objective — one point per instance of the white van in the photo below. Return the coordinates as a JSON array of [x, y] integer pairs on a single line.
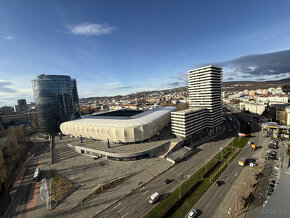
[[153, 198]]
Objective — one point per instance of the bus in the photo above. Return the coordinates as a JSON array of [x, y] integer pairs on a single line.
[[36, 175]]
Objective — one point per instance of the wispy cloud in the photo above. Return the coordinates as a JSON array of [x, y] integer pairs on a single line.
[[9, 37], [91, 29], [112, 84], [4, 88]]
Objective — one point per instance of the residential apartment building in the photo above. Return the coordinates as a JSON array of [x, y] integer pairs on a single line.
[[205, 111]]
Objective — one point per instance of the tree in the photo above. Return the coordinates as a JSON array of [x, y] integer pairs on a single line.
[[35, 125], [2, 131], [2, 168]]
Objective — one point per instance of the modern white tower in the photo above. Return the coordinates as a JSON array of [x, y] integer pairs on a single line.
[[204, 115], [204, 89]]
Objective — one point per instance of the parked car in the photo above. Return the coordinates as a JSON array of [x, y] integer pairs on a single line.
[[273, 146], [271, 186], [270, 190], [277, 167]]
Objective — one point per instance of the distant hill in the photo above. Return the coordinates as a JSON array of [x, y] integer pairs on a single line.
[[226, 86], [242, 85]]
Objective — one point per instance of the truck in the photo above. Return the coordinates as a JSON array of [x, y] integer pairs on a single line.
[[253, 146], [153, 198], [242, 162]]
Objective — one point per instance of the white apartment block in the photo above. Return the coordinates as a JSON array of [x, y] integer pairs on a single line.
[[204, 90], [256, 108], [282, 99], [187, 122]]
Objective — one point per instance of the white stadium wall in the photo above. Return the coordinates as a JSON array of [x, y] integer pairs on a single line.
[[120, 129]]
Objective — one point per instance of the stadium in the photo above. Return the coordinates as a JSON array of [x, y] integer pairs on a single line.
[[122, 127]]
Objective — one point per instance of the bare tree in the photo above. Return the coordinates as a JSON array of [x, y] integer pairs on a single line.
[[2, 168], [2, 131], [35, 125]]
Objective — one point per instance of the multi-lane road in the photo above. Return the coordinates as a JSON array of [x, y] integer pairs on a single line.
[[136, 203], [215, 196]]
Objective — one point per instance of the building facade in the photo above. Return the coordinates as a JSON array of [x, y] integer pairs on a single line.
[[22, 104], [56, 101], [205, 111]]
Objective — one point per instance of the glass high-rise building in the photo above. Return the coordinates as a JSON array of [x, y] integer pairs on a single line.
[[56, 100], [22, 104]]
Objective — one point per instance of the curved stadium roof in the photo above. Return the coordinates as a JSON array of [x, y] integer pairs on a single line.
[[123, 129]]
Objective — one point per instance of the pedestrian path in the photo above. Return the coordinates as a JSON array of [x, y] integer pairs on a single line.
[[18, 179]]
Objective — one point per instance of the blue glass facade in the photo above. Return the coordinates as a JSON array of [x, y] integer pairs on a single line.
[[56, 100]]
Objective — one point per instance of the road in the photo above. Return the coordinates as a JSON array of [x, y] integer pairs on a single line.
[[24, 193], [214, 197], [136, 203]]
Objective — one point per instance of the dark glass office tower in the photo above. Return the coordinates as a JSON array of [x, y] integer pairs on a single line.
[[56, 100]]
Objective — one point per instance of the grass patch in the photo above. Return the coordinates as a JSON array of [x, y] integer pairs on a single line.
[[59, 187]]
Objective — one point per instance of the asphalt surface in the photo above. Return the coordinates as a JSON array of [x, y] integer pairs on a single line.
[[18, 207], [214, 197], [136, 203]]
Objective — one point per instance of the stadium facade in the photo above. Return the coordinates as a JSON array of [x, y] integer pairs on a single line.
[[204, 116], [120, 127]]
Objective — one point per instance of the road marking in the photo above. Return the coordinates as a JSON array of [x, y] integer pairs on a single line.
[[124, 215], [175, 171], [179, 174], [145, 192], [120, 210], [117, 205]]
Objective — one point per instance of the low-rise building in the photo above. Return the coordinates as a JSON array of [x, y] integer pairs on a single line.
[[253, 107]]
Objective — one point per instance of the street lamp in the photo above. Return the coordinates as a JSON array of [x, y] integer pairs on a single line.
[[221, 153]]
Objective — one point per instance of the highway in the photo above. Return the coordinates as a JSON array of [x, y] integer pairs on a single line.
[[136, 203]]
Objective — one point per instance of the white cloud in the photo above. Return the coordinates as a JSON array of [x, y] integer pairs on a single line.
[[8, 37], [91, 29], [112, 84]]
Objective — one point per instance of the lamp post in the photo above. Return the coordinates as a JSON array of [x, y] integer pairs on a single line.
[[221, 153]]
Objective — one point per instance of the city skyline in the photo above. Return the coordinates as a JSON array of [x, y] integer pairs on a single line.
[[120, 48]]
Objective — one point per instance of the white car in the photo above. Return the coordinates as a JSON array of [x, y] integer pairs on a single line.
[[277, 167], [192, 213]]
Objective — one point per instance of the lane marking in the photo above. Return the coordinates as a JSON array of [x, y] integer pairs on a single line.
[[117, 205], [179, 174], [120, 210], [124, 215], [145, 192]]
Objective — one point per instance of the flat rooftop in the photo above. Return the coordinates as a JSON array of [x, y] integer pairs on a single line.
[[119, 113], [189, 110]]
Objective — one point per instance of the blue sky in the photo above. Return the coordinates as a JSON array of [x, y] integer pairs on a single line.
[[122, 46]]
